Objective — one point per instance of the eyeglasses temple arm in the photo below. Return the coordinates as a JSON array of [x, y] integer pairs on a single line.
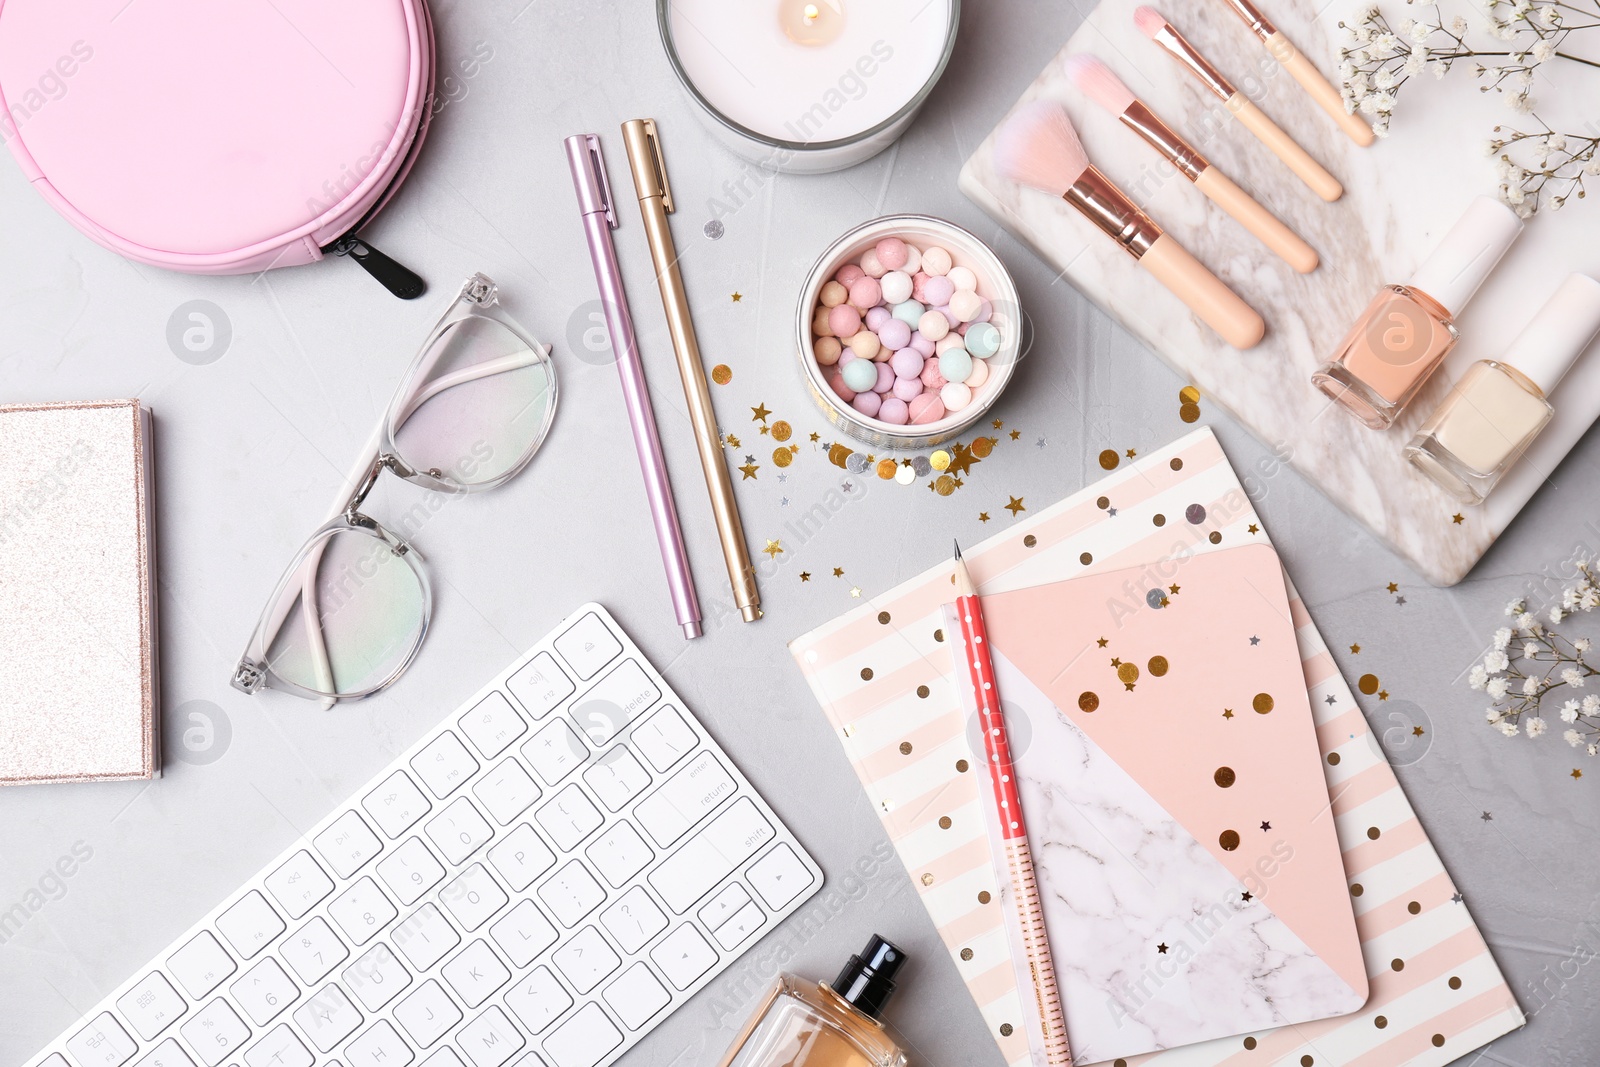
[[503, 365]]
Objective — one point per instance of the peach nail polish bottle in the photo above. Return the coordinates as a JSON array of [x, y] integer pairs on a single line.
[[1407, 329], [1499, 406]]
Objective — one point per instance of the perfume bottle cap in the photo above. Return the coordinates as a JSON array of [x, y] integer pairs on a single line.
[[868, 978], [1558, 334], [1468, 252]]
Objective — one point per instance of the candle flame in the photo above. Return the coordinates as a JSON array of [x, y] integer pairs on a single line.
[[811, 13]]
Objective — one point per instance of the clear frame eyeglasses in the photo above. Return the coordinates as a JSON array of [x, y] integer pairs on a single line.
[[350, 613]]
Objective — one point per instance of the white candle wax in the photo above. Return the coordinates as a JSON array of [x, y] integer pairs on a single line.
[[743, 58]]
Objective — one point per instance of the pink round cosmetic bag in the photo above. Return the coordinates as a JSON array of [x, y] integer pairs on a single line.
[[217, 136]]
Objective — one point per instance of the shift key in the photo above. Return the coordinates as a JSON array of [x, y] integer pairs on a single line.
[[689, 796], [711, 855]]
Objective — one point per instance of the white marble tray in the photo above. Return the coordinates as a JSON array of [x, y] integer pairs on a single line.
[[1400, 195]]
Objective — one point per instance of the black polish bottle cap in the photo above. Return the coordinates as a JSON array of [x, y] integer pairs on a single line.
[[867, 981]]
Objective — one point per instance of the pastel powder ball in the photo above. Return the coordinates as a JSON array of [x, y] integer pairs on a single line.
[[844, 321], [860, 375], [947, 342], [866, 293], [891, 253], [926, 408], [849, 274], [933, 325], [896, 286], [870, 265], [935, 260], [965, 304], [894, 411], [923, 345], [919, 286], [833, 294], [963, 278], [894, 333], [907, 389], [955, 396], [837, 384], [819, 322], [955, 365], [885, 379], [931, 376], [865, 344], [876, 317], [867, 403], [938, 291], [907, 363], [909, 312], [983, 340], [827, 350], [913, 260], [979, 375]]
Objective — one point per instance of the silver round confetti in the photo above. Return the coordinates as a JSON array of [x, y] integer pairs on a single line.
[[714, 229], [856, 463], [1154, 598], [921, 465]]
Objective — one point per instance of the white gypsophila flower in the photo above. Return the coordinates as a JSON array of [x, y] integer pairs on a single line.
[[1347, 70], [1593, 748], [1591, 704], [1592, 168], [1590, 600], [1556, 142], [1496, 661], [1414, 64], [1407, 25], [1384, 79], [1569, 711], [1477, 677], [1573, 738], [1386, 103], [1369, 13], [1581, 644], [1440, 68], [1493, 715], [1530, 686], [1556, 614], [1496, 688], [1458, 25], [1522, 7], [1502, 638], [1506, 33], [1523, 79], [1420, 32], [1508, 728], [1386, 42], [1380, 126], [1572, 677], [1525, 211], [1516, 607], [1527, 621], [1530, 650], [1368, 104], [1534, 726]]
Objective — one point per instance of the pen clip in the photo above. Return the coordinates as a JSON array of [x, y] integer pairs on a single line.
[[653, 139], [602, 181]]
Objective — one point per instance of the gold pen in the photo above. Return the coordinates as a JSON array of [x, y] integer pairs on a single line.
[[655, 204]]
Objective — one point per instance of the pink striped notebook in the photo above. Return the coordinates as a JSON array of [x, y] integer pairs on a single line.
[[884, 678]]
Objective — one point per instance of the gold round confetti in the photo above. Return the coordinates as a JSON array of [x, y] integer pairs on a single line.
[[944, 822], [1005, 1029], [1086, 559], [1262, 703], [940, 460], [1380, 1021], [966, 954], [1120, 1063], [944, 485], [1356, 890], [1333, 759], [722, 374], [1088, 701], [781, 430], [961, 766], [1127, 672], [1249, 1043], [982, 446], [1229, 840], [839, 455], [938, 635], [927, 879], [1176, 464], [1368, 684], [1189, 412], [1109, 459], [1029, 541], [1414, 907], [905, 748], [1438, 1040], [1188, 395], [1373, 833], [922, 691], [984, 897], [887, 468], [866, 674], [1159, 519], [1225, 777], [1306, 1061], [1455, 983], [782, 457], [1157, 665], [883, 617], [1397, 964], [1215, 537], [1103, 503]]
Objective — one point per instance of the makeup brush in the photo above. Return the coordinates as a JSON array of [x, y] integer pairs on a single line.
[[1096, 81], [1299, 67], [1037, 146], [1155, 26]]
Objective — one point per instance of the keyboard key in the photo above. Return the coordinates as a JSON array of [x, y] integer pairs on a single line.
[[506, 791], [583, 1040], [362, 911], [347, 845], [458, 831], [427, 1015], [634, 919], [711, 855], [619, 853], [538, 1000], [103, 1043], [636, 996], [313, 950], [396, 804], [571, 893], [151, 1006], [492, 725], [475, 974], [250, 925], [540, 686], [201, 965], [490, 1039], [444, 764], [664, 738], [380, 1046], [327, 1018], [425, 937], [299, 885], [264, 991], [685, 799], [523, 934], [683, 956], [280, 1048], [738, 929], [56, 1059], [585, 960], [521, 856], [215, 1032], [473, 898], [167, 1054], [446, 1057], [587, 646], [555, 752], [569, 817], [410, 871], [616, 700], [779, 877], [724, 906], [617, 777], [376, 978]]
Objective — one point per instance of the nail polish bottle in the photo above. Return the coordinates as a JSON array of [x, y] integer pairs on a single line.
[[813, 1024], [1499, 406], [1407, 329]]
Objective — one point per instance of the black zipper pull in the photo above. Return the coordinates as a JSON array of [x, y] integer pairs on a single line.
[[398, 279]]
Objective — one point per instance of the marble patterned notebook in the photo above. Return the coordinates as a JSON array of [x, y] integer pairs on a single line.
[[885, 680], [1400, 196]]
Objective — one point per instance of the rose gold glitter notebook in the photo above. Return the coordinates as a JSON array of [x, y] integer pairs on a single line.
[[78, 689]]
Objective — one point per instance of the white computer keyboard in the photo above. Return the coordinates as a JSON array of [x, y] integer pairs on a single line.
[[558, 866]]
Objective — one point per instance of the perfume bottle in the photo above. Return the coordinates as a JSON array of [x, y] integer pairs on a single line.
[[1499, 406], [1407, 329], [813, 1024]]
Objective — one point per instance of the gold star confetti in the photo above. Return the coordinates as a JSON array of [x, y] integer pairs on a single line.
[[760, 413], [1355, 650], [1015, 434], [983, 516], [1393, 588], [1576, 773], [737, 297], [1227, 713], [855, 591], [1132, 452], [1102, 642], [1383, 694], [1254, 528], [1173, 589], [1458, 518], [1116, 661], [1417, 731], [805, 576], [1016, 506], [998, 424], [722, 374], [838, 572], [963, 461], [749, 470], [815, 437], [733, 442], [773, 549]]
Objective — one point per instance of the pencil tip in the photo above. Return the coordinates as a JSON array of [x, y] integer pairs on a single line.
[[958, 548]]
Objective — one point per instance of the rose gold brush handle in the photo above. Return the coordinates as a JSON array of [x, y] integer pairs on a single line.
[[1285, 148], [1207, 295], [1036, 947], [1267, 228], [1316, 86]]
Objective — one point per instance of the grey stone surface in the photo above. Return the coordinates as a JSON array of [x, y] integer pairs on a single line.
[[251, 448]]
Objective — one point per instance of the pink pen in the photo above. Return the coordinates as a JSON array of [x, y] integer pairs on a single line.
[[599, 219]]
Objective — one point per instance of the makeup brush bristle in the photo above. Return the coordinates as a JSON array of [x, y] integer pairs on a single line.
[[1037, 146], [1149, 20], [1096, 81]]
